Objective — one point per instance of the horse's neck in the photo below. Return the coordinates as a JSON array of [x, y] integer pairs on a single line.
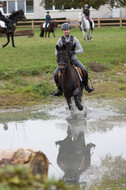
[[84, 20], [69, 69], [14, 18]]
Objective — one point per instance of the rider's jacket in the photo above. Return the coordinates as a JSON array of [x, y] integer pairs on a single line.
[[48, 18], [69, 39], [1, 11], [86, 12]]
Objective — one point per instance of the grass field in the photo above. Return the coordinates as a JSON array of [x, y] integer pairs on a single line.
[[26, 72]]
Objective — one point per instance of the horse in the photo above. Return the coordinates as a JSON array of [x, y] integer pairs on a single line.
[[50, 28], [85, 26], [74, 157], [69, 79], [14, 16]]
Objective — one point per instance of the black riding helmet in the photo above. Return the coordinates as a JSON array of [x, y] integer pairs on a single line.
[[1, 2], [65, 26]]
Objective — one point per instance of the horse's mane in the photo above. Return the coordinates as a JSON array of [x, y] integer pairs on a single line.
[[14, 13]]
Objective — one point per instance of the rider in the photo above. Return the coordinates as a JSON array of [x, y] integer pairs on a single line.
[[67, 38], [48, 19], [5, 19], [86, 11]]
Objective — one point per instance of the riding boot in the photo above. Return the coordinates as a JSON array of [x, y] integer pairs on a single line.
[[88, 88], [91, 26], [59, 92], [86, 85]]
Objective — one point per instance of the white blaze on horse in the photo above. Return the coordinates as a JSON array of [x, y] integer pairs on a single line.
[[85, 26]]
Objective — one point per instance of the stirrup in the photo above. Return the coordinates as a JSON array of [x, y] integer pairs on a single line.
[[89, 89]]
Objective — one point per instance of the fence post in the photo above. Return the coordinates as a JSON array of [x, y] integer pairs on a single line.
[[76, 24], [98, 22], [33, 25], [120, 22]]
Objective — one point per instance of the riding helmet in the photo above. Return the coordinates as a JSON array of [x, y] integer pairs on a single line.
[[1, 2], [86, 5], [65, 26]]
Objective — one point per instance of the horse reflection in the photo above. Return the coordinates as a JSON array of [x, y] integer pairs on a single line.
[[74, 156], [5, 126]]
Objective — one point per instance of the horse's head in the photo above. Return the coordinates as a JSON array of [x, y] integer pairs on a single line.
[[21, 15], [63, 57], [16, 15], [55, 24]]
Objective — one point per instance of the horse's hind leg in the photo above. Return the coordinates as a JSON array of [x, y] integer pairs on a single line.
[[78, 102], [12, 38], [8, 40]]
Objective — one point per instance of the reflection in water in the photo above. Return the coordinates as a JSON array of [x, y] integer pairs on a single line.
[[5, 126], [74, 155], [104, 126]]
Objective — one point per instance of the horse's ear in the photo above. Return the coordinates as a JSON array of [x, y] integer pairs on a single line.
[[57, 48]]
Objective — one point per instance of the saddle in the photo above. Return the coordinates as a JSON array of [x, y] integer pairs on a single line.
[[44, 24], [79, 71]]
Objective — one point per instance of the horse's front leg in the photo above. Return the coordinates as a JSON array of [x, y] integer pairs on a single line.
[[91, 32], [88, 35], [69, 102], [78, 102], [48, 34], [12, 38], [83, 34], [45, 33], [8, 40]]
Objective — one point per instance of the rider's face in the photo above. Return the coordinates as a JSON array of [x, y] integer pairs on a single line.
[[66, 32]]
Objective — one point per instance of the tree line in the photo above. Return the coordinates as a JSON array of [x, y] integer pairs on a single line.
[[65, 4]]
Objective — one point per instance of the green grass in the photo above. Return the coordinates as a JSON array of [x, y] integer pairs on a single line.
[[27, 70]]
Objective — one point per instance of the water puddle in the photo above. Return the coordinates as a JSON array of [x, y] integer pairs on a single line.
[[76, 144]]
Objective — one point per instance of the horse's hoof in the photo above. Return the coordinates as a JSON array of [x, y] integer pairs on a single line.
[[80, 107], [2, 46]]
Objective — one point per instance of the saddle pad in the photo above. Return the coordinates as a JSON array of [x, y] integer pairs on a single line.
[[79, 71], [44, 24], [2, 24]]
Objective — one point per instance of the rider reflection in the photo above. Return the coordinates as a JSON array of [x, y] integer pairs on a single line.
[[74, 156]]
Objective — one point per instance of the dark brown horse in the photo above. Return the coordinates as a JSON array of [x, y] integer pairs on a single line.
[[69, 79], [74, 156], [50, 28], [14, 16]]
